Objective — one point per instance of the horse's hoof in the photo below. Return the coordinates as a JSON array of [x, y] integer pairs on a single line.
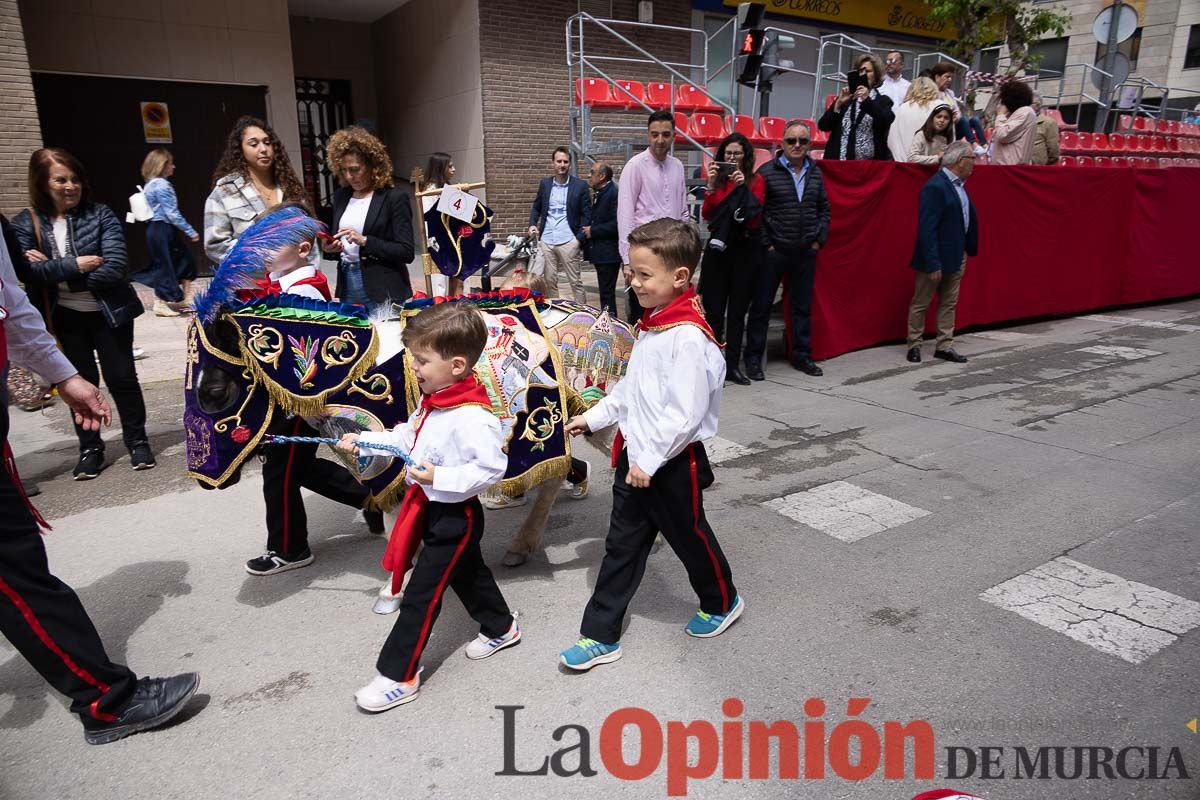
[[387, 605], [514, 559]]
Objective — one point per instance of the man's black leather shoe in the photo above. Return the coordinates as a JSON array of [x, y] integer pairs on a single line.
[[914, 355], [808, 367], [154, 701], [737, 376], [754, 371], [950, 355]]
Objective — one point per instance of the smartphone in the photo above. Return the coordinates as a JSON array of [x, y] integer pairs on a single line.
[[725, 168], [325, 237], [855, 80]]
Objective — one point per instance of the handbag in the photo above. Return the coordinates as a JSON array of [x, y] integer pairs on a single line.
[[139, 207]]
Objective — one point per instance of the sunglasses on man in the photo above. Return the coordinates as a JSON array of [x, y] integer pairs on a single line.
[[792, 141]]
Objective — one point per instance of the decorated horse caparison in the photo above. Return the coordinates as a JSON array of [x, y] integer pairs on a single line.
[[344, 372]]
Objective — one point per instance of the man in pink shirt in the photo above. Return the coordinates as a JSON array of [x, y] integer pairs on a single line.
[[652, 187]]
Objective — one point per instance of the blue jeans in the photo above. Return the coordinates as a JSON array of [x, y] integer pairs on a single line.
[[971, 129], [350, 287], [170, 262]]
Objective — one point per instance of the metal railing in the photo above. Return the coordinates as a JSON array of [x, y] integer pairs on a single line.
[[578, 59]]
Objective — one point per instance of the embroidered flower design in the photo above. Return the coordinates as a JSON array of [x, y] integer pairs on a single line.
[[240, 434], [465, 231]]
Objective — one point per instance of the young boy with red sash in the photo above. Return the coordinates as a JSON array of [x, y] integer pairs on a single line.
[[666, 404], [457, 445]]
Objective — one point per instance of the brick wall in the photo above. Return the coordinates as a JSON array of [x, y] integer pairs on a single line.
[[20, 133], [526, 91]]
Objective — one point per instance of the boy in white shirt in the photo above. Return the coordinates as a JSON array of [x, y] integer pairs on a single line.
[[666, 404], [457, 445]]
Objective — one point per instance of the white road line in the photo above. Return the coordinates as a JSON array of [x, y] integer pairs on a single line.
[[845, 511], [1123, 618], [1145, 323], [1000, 336], [720, 450], [1127, 353]]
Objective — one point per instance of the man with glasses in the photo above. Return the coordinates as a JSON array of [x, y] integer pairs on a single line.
[[895, 85], [795, 225], [947, 232]]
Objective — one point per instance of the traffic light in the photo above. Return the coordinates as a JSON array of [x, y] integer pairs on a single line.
[[750, 16]]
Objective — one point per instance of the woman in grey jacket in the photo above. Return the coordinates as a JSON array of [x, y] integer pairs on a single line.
[[77, 272]]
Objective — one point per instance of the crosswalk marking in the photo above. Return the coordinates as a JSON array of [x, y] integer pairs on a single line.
[[1145, 323], [1123, 618], [1127, 353], [1001, 336], [845, 511], [720, 450]]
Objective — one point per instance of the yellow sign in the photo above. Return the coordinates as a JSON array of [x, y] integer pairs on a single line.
[[910, 17], [1138, 6], [1191, 726], [156, 123]]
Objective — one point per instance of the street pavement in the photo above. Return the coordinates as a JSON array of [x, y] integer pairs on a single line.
[[1005, 549]]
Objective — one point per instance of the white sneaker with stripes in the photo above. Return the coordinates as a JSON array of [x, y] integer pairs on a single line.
[[483, 647], [383, 693]]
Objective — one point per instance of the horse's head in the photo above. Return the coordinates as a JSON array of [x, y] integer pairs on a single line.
[[224, 415]]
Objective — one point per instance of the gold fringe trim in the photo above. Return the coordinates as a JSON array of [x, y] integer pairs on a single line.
[[219, 483], [429, 265], [551, 469], [314, 405], [576, 405], [389, 497]]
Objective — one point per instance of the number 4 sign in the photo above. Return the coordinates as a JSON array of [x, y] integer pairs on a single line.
[[458, 204]]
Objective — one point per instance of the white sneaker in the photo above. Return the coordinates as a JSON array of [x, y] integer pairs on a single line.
[[483, 647], [498, 501], [578, 491], [383, 693], [138, 354]]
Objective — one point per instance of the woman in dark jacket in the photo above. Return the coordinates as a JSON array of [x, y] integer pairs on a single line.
[[76, 271], [733, 256], [373, 222], [858, 122]]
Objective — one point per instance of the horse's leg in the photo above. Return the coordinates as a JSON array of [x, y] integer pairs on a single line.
[[529, 536]]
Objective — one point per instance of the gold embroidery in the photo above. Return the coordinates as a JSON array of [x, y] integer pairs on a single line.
[[539, 429], [260, 344], [373, 387], [333, 348]]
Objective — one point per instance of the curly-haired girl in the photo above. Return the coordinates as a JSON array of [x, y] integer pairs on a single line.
[[254, 174], [373, 222]]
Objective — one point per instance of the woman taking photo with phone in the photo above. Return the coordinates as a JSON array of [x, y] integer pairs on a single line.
[[254, 174], [859, 118], [77, 271], [373, 222], [733, 255]]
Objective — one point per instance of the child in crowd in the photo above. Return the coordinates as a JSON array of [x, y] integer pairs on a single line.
[[283, 240], [667, 403], [456, 443]]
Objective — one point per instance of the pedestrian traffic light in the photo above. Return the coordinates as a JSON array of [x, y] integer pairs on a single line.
[[752, 34]]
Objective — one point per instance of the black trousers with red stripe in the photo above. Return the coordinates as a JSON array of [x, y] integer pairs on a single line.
[[450, 559], [288, 468], [42, 617], [673, 504]]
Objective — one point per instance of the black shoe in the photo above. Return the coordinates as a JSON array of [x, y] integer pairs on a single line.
[[374, 521], [141, 457], [808, 367], [271, 563], [914, 355], [91, 462], [950, 354], [154, 701], [754, 371], [737, 376]]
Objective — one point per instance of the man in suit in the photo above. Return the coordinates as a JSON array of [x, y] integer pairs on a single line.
[[601, 246], [947, 232], [561, 210]]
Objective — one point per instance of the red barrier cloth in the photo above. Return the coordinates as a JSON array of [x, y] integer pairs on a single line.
[[1052, 240]]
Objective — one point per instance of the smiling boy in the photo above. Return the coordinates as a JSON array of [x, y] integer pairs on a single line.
[[665, 406]]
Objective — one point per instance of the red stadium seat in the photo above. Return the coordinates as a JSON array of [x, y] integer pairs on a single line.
[[682, 126], [596, 93], [743, 124], [1120, 161], [1172, 145], [1084, 161], [770, 129], [1099, 141], [1193, 162], [1173, 127], [1162, 125], [1142, 124], [817, 155], [1124, 122], [632, 93], [761, 156], [1067, 161], [819, 137], [1145, 143], [658, 95], [1149, 162], [707, 128], [1103, 161], [1085, 141], [690, 98], [1116, 141], [829, 98], [1068, 141], [1159, 145]]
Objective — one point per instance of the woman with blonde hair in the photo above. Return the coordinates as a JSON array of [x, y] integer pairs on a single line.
[[373, 222], [858, 121], [171, 269], [923, 96]]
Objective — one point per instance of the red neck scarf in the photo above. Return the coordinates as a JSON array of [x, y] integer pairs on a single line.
[[683, 310], [265, 287], [410, 524]]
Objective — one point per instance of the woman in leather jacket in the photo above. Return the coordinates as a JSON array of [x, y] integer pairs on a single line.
[[76, 271]]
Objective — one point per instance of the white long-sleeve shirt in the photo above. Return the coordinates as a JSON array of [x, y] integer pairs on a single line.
[[670, 396], [464, 444], [28, 342]]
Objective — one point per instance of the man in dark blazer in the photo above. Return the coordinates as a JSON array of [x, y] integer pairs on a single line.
[[601, 244], [384, 245], [561, 210], [947, 232]]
